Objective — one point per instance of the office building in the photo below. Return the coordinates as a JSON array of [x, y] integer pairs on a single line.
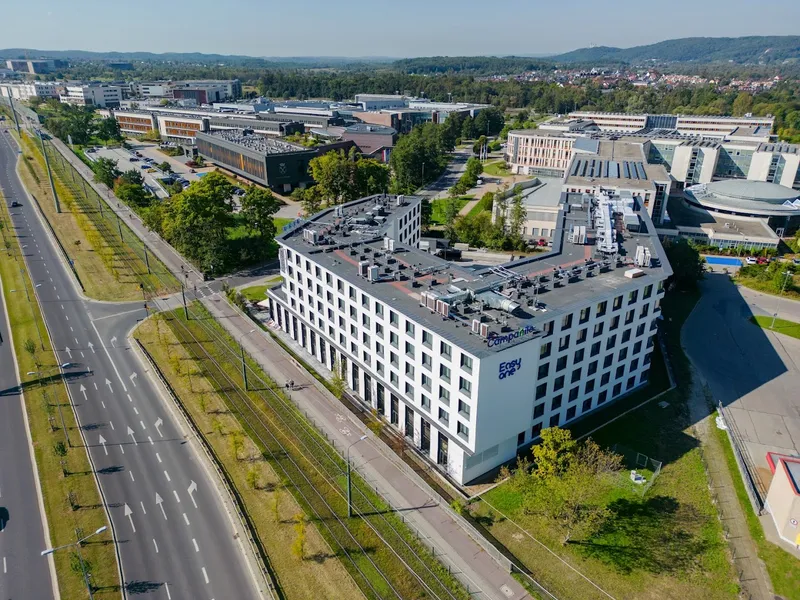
[[470, 365], [93, 94], [541, 199], [36, 66], [34, 89], [272, 162], [373, 141], [707, 126]]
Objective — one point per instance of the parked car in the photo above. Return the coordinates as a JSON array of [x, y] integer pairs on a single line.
[[139, 154], [15, 204], [762, 260], [144, 167], [750, 260], [796, 261], [133, 159]]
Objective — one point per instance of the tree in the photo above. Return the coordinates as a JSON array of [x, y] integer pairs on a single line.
[[105, 171], [467, 129], [451, 208], [252, 478], [299, 545], [743, 104], [108, 129], [132, 176], [332, 173], [489, 121], [338, 380], [195, 221], [371, 177], [236, 444], [417, 158], [165, 166], [131, 194], [516, 219], [258, 207], [552, 455], [30, 348], [686, 263], [472, 229], [309, 198]]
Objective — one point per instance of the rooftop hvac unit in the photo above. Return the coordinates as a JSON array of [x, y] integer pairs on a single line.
[[401, 200], [476, 326], [634, 273], [391, 245], [362, 268], [313, 237], [431, 301], [372, 273], [443, 308], [484, 330], [386, 241]]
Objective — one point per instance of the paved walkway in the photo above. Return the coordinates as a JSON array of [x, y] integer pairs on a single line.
[[378, 464]]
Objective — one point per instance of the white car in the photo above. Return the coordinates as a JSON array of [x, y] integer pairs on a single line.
[[750, 260]]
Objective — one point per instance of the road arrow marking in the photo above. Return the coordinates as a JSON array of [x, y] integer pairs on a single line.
[[91, 347], [191, 490], [108, 383], [83, 391], [113, 339], [160, 501], [158, 425], [67, 350], [129, 514], [132, 377], [130, 433], [103, 442]]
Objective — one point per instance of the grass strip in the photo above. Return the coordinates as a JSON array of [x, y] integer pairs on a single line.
[[130, 251], [271, 508], [783, 326], [71, 499], [782, 567], [380, 551]]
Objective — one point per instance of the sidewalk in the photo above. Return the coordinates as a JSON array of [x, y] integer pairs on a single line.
[[377, 464]]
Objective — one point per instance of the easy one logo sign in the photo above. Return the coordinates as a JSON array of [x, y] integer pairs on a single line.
[[497, 340], [508, 368]]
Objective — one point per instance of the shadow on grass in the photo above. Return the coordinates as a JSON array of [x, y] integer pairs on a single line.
[[655, 535]]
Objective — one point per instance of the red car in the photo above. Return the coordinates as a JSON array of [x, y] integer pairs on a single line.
[[761, 260]]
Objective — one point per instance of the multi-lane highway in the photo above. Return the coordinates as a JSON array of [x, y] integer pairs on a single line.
[[174, 535], [22, 535]]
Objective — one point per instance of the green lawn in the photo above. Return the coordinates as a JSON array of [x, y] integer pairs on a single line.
[[280, 222], [666, 544], [256, 293], [783, 326], [497, 169], [783, 568], [438, 208]]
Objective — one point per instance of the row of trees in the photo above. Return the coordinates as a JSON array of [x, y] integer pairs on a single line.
[[477, 229], [78, 123]]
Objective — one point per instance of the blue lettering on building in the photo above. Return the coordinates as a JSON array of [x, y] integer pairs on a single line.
[[497, 340], [508, 368]]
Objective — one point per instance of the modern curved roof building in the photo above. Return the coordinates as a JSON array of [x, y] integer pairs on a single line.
[[745, 198]]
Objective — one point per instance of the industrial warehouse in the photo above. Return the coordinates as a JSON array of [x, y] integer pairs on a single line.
[[470, 365]]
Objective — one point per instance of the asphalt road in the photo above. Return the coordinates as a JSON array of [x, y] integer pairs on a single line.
[[174, 536], [22, 535], [452, 172], [754, 372]]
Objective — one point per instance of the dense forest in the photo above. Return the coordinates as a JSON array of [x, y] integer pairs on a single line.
[[751, 49], [478, 65]]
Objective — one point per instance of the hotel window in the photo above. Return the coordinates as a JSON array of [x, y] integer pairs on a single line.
[[393, 318], [379, 309], [393, 359], [576, 375], [444, 395], [444, 417], [410, 370], [581, 336], [426, 402], [409, 349], [427, 339], [633, 296], [601, 308], [538, 410], [394, 340], [598, 329], [463, 409], [466, 363], [543, 370], [352, 293], [465, 387], [463, 431], [585, 314], [409, 390], [563, 343], [544, 351], [426, 382], [426, 360], [566, 322], [410, 328], [629, 317], [364, 301], [445, 350], [617, 303], [541, 391], [573, 394], [578, 356], [626, 335], [558, 383], [607, 360], [561, 363], [444, 373]]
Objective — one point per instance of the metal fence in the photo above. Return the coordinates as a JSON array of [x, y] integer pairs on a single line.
[[749, 476]]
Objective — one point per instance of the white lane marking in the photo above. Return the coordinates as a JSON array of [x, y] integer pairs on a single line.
[[150, 439], [95, 386], [58, 297], [156, 545], [82, 355], [167, 476], [112, 425], [122, 448], [143, 510], [66, 317], [158, 457], [142, 424], [77, 343], [73, 331], [177, 498], [103, 403], [135, 410], [108, 354], [62, 307], [5, 569], [196, 547], [131, 474], [185, 518], [166, 587], [129, 398], [205, 575]]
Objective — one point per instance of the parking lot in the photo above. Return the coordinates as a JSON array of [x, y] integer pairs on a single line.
[[178, 163], [124, 163]]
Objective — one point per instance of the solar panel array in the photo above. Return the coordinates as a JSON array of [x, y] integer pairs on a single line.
[[608, 169]]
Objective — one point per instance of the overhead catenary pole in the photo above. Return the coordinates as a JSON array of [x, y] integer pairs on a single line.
[[349, 480], [49, 172], [13, 111], [786, 275]]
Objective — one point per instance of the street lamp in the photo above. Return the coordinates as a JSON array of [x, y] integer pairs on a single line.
[[241, 348], [80, 558], [349, 484], [787, 274]]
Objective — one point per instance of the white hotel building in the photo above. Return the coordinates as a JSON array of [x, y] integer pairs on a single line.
[[469, 362]]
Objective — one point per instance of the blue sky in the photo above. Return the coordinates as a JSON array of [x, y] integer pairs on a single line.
[[402, 28]]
